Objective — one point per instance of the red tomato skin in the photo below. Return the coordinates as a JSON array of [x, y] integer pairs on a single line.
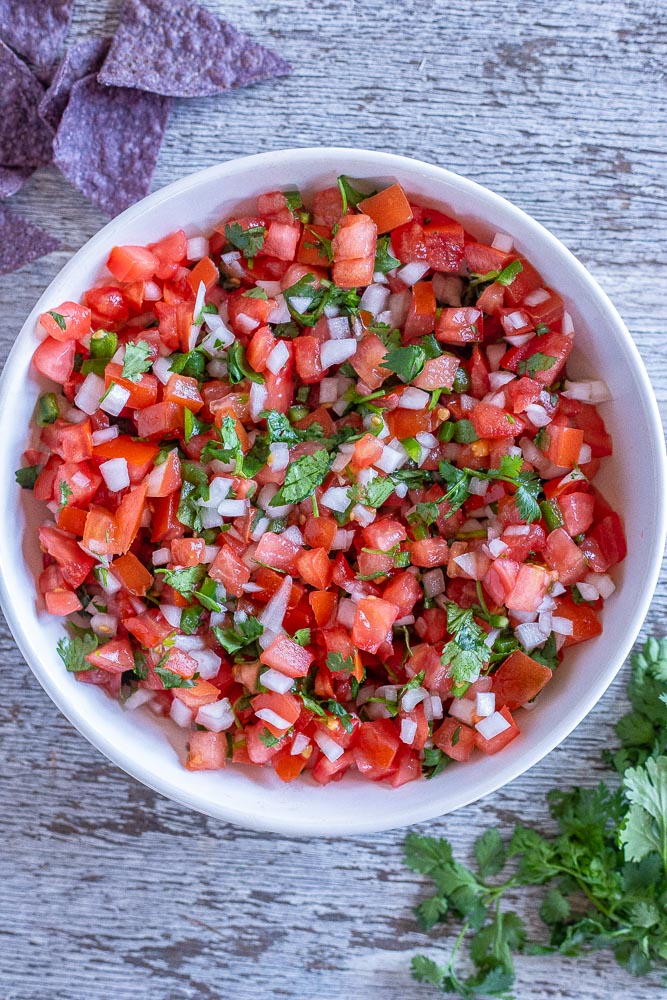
[[518, 680], [450, 730], [55, 359]]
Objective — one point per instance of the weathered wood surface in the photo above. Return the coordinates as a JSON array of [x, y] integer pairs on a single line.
[[110, 892]]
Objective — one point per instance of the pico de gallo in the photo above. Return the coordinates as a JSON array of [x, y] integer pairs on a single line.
[[320, 488]]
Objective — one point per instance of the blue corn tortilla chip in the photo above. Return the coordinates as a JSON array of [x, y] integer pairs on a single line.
[[25, 141], [21, 242], [108, 142], [179, 49], [79, 60], [12, 180], [36, 29]]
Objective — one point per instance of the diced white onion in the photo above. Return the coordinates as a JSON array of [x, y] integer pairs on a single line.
[[232, 263], [427, 440], [115, 399], [562, 626], [274, 612], [90, 392], [530, 635], [494, 353], [433, 581], [492, 726], [336, 498], [412, 698], [245, 323], [392, 458], [447, 288], [363, 515], [342, 539], [485, 703], [536, 297], [594, 391], [502, 242], [115, 474], [210, 518], [399, 304], [585, 454], [603, 583], [216, 717], [180, 713], [374, 299], [232, 508], [138, 698], [152, 291], [538, 415], [272, 288], [301, 742], [209, 663], [413, 399], [104, 625], [260, 528], [408, 731], [517, 529], [258, 396], [331, 750], [268, 715], [436, 706], [275, 681], [188, 643], [328, 390], [279, 452], [335, 352], [339, 327], [300, 303], [463, 709], [412, 272], [567, 325], [109, 583], [278, 357], [280, 313], [197, 248], [520, 339], [105, 434], [587, 591], [162, 369], [478, 487], [498, 379]]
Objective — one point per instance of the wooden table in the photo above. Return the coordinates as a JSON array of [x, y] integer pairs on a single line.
[[109, 891]]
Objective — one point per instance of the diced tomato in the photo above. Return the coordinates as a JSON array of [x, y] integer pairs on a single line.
[[404, 592], [206, 751], [62, 601], [307, 359], [188, 551], [260, 347], [143, 392], [518, 680], [132, 263], [564, 446], [577, 512], [490, 422], [367, 362], [162, 420], [114, 656], [421, 314], [455, 739], [528, 280], [69, 321], [564, 556], [444, 239], [429, 552], [287, 656], [529, 589], [438, 373], [133, 574], [230, 571], [327, 206], [204, 271], [388, 209], [373, 620], [314, 568], [502, 739], [610, 537], [149, 628], [55, 359], [354, 273], [170, 253], [377, 745], [459, 325], [585, 622]]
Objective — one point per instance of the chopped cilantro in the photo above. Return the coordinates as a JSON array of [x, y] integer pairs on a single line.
[[249, 241], [302, 477], [136, 360]]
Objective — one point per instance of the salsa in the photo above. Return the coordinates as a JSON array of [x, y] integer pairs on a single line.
[[319, 487]]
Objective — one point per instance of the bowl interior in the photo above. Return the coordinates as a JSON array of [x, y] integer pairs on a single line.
[[151, 749]]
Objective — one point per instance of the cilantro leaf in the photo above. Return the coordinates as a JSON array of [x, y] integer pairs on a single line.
[[249, 241], [320, 243], [466, 653], [73, 650], [293, 200], [238, 367], [375, 493], [384, 261], [65, 492], [59, 319], [268, 739], [350, 195], [136, 360], [302, 477], [338, 663], [27, 476], [255, 293], [185, 581], [406, 362], [645, 827], [537, 362], [490, 853], [241, 634], [170, 679], [302, 636]]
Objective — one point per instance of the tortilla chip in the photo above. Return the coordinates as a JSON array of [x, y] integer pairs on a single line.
[[108, 142], [12, 180], [21, 242], [25, 141], [79, 60], [179, 49], [36, 29]]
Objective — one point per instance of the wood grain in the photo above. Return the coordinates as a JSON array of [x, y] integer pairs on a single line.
[[108, 890]]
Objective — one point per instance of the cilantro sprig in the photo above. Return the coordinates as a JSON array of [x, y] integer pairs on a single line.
[[136, 361], [604, 872], [249, 241], [527, 485], [302, 477]]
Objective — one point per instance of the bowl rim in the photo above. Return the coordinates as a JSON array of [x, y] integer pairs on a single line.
[[299, 824]]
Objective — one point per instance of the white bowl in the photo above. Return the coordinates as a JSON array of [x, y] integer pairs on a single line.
[[633, 480]]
